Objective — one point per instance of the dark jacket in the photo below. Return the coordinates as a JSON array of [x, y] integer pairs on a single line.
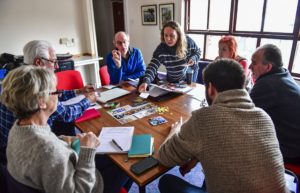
[[279, 95]]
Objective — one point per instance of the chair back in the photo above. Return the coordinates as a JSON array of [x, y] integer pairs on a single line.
[[14, 186], [293, 167], [202, 65], [69, 80], [104, 75]]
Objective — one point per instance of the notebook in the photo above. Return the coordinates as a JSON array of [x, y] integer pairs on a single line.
[[88, 114], [141, 146], [112, 94], [115, 140]]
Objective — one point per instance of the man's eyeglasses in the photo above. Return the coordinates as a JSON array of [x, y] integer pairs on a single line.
[[120, 43], [55, 62], [57, 92]]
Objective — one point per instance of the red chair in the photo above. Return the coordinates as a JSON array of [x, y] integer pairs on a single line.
[[123, 190], [69, 80], [294, 168], [104, 76]]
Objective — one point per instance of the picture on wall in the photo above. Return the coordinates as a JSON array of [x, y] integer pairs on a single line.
[[149, 15], [166, 13]]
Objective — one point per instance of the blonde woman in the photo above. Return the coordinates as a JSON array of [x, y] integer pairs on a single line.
[[177, 52]]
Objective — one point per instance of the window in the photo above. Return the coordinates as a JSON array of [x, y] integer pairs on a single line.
[[253, 23]]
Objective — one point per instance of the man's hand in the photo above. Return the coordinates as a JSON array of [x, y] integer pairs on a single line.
[[89, 140], [143, 87], [116, 56], [91, 96], [175, 128], [187, 167], [87, 89]]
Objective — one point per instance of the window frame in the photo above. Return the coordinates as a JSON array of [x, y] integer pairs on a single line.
[[294, 36]]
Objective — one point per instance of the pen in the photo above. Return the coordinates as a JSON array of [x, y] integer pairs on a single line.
[[115, 143]]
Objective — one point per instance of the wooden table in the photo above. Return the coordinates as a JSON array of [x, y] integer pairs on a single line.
[[181, 106]]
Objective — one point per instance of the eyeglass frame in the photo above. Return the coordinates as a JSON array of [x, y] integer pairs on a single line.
[[57, 92], [55, 62], [120, 43]]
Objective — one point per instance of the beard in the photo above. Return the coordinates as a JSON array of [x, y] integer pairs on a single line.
[[208, 99]]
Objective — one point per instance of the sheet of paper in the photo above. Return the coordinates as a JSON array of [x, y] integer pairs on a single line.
[[111, 94], [95, 106], [109, 86], [122, 135], [144, 95], [73, 100]]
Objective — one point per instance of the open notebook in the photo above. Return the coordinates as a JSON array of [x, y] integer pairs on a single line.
[[112, 94], [122, 137]]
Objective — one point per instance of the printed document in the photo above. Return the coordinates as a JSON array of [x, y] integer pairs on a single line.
[[122, 136]]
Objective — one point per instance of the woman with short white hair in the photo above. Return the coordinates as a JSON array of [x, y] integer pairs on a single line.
[[36, 156]]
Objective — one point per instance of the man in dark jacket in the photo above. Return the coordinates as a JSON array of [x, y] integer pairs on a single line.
[[278, 94]]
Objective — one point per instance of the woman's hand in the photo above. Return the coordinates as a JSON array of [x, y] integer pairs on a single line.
[[89, 140], [191, 62], [143, 87]]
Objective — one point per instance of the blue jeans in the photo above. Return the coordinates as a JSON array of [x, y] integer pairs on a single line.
[[170, 183], [114, 178]]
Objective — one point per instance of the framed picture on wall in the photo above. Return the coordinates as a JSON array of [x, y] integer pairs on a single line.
[[166, 13], [149, 15]]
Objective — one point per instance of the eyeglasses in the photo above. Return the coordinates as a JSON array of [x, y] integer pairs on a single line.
[[57, 92], [120, 43], [55, 62]]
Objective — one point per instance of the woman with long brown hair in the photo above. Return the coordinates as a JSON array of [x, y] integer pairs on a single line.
[[177, 52]]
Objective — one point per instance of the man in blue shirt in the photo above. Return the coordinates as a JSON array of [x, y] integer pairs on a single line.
[[278, 94], [124, 62], [41, 53]]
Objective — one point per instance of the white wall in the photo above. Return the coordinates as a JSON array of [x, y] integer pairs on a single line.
[[25, 20], [146, 37]]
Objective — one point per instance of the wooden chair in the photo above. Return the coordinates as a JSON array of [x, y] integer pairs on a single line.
[[69, 80]]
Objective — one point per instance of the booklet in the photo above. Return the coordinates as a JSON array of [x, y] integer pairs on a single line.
[[142, 146], [115, 140]]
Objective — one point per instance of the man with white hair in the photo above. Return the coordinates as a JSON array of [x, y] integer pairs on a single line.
[[124, 61], [42, 53]]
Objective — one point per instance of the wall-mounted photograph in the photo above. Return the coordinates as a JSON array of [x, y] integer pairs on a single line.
[[166, 13], [149, 15]]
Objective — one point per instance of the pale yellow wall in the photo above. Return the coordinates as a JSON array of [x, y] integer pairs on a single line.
[[25, 20]]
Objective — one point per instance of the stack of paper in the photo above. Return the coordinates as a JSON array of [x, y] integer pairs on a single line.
[[115, 139], [112, 94], [141, 146]]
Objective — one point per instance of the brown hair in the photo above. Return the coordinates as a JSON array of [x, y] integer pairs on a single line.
[[181, 44]]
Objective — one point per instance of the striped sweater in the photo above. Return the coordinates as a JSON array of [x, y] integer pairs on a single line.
[[165, 55]]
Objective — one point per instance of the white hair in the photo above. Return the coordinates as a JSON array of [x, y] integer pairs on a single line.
[[24, 86], [36, 49]]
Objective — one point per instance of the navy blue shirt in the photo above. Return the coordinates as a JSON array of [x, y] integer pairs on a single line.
[[279, 95]]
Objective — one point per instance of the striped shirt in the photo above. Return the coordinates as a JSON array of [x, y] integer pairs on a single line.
[[176, 67]]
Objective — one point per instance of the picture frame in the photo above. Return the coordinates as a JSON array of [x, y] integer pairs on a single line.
[[149, 14], [166, 13]]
